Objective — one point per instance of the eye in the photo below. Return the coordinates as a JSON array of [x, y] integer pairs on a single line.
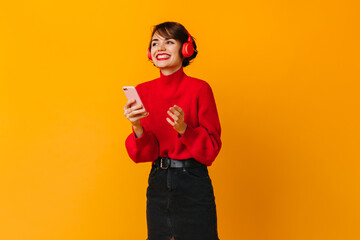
[[170, 42], [154, 44]]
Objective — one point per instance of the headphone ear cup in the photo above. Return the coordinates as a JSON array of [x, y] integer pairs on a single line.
[[149, 54], [187, 49]]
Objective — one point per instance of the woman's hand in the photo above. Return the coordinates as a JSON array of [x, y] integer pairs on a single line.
[[134, 114], [177, 114]]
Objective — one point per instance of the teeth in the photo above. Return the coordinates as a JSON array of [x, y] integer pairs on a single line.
[[163, 56]]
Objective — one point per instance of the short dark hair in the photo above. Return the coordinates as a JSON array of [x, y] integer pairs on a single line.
[[178, 32]]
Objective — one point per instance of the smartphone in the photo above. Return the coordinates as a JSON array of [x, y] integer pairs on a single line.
[[131, 94]]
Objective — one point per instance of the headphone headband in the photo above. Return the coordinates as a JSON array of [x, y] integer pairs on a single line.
[[189, 38]]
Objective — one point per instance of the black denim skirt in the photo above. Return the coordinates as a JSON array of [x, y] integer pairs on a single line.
[[181, 204]]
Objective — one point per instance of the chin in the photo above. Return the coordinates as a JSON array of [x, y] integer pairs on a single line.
[[163, 66]]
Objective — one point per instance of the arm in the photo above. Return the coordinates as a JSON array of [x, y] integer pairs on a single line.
[[203, 141], [144, 148], [141, 145]]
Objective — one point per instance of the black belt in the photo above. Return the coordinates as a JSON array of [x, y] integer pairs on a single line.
[[165, 163]]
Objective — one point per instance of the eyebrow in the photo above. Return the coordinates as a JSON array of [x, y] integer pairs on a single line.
[[155, 39]]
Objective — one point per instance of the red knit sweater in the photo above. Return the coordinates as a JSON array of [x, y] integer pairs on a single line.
[[201, 139]]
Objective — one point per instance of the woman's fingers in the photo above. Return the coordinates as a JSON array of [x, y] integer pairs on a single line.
[[176, 113], [128, 108], [131, 114], [128, 103], [134, 108], [178, 109], [134, 113], [138, 112], [173, 115], [136, 118], [169, 121]]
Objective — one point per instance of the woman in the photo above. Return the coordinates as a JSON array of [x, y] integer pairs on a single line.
[[179, 132]]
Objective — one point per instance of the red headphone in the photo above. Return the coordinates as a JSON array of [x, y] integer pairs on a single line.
[[187, 48]]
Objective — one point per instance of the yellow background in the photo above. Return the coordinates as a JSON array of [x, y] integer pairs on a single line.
[[285, 75]]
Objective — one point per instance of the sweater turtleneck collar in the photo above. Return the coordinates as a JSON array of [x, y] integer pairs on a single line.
[[174, 78]]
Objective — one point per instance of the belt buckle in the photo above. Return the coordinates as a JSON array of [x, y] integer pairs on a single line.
[[162, 165]]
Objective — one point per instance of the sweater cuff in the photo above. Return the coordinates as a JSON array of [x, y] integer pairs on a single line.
[[142, 138]]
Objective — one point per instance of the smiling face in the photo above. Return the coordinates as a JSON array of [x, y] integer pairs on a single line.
[[165, 54]]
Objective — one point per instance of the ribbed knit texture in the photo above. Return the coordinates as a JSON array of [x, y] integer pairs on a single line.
[[201, 139]]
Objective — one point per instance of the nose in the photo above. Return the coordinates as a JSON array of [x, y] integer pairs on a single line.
[[162, 46]]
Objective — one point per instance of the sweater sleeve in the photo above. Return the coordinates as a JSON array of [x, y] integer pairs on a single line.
[[144, 148], [203, 141]]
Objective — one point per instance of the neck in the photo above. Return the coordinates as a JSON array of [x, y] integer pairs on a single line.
[[173, 79], [167, 71]]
